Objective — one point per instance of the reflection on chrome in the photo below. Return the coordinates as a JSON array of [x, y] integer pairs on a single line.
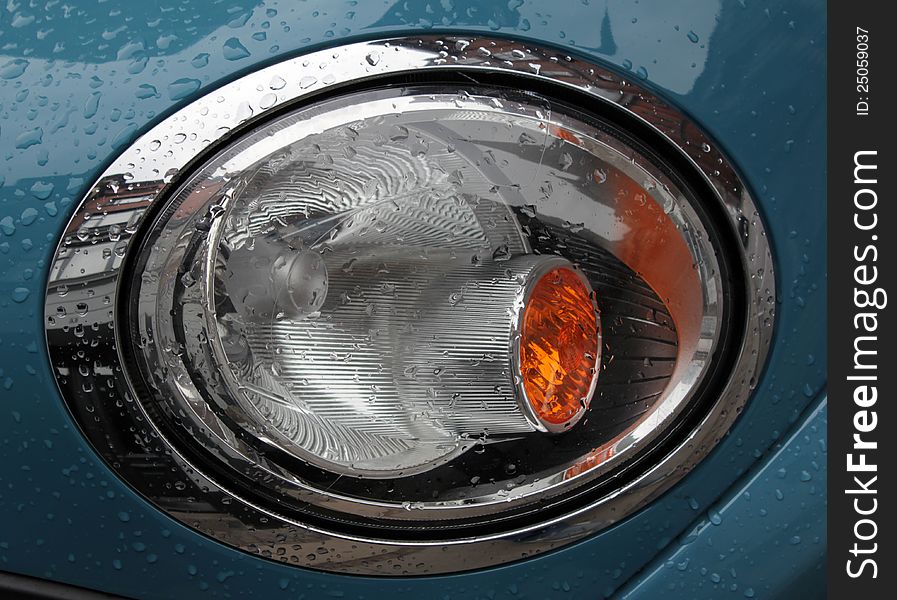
[[181, 343]]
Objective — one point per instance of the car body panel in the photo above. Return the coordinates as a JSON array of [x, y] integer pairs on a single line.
[[785, 497], [80, 80]]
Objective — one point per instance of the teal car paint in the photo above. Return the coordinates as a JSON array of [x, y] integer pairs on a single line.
[[785, 497], [80, 80]]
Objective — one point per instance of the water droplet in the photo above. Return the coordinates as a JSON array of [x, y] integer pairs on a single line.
[[200, 60], [234, 50], [565, 161], [29, 216], [145, 91], [501, 253], [399, 133], [92, 104], [30, 137], [13, 68], [41, 190], [183, 87]]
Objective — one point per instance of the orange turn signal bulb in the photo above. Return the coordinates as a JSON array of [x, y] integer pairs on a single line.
[[559, 347]]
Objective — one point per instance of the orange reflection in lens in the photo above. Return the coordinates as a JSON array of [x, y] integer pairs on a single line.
[[559, 346], [591, 460]]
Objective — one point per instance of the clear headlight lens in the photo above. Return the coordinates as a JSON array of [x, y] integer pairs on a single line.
[[412, 306], [418, 297]]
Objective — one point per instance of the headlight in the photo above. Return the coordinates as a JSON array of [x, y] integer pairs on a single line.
[[416, 311]]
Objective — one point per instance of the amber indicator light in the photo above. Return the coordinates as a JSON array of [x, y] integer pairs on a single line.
[[559, 346]]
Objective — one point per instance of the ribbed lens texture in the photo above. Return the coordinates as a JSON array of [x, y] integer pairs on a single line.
[[420, 297], [376, 309]]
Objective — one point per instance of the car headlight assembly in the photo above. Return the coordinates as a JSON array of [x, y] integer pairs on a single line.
[[407, 299]]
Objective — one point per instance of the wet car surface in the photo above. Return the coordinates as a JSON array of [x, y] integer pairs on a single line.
[[80, 81]]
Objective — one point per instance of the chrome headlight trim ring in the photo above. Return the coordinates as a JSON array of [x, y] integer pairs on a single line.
[[102, 397]]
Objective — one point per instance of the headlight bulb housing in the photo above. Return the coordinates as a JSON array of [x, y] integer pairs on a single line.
[[449, 300]]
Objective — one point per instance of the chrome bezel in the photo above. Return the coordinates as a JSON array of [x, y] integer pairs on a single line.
[[145, 172]]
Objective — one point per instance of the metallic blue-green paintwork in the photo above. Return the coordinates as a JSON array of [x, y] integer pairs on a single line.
[[762, 539], [79, 79]]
